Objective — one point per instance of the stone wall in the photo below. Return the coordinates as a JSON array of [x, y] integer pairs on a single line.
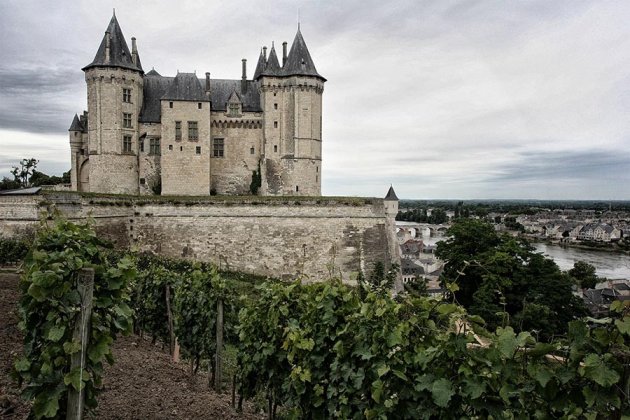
[[280, 237], [185, 163]]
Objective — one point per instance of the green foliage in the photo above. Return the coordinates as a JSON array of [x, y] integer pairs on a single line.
[[195, 301], [256, 181], [322, 351], [504, 281], [39, 178], [584, 275], [50, 306], [12, 250]]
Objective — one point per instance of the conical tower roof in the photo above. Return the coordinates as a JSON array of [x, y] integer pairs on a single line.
[[391, 195], [273, 65], [76, 124], [119, 54], [260, 67], [299, 61]]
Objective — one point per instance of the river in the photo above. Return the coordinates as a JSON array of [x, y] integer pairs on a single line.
[[611, 265], [608, 264]]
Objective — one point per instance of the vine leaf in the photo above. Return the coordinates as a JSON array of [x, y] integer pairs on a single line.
[[56, 333], [623, 325], [442, 391], [75, 379], [595, 369]]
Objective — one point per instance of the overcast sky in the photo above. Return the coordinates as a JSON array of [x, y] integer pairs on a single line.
[[462, 99]]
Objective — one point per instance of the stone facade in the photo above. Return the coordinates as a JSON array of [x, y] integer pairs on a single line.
[[314, 238], [135, 137]]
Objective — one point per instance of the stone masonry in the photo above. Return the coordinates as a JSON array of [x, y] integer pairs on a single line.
[[314, 238]]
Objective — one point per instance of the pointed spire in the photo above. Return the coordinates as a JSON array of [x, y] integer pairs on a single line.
[[76, 124], [260, 67], [113, 51], [391, 195], [299, 61], [273, 65]]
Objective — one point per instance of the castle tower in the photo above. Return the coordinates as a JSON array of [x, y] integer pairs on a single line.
[[291, 97], [114, 84]]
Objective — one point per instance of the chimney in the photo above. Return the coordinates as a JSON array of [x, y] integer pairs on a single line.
[[284, 53], [108, 41], [208, 85], [244, 77], [265, 53], [134, 50]]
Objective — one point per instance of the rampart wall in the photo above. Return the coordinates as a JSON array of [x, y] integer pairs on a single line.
[[275, 236]]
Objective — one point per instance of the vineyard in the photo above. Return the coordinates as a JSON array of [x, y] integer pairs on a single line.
[[296, 350]]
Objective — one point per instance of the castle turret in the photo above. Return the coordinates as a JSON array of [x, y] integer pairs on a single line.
[[77, 134], [391, 202], [291, 97], [114, 81]]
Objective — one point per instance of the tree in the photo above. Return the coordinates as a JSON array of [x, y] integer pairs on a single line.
[[584, 275], [503, 280], [9, 184], [24, 172]]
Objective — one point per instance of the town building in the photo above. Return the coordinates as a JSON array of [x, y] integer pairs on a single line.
[[144, 133]]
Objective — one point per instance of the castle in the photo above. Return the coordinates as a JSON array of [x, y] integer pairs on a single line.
[[145, 133]]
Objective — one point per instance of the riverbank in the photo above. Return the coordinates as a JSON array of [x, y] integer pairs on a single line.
[[611, 247]]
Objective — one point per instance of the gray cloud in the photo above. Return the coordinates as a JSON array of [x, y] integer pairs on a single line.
[[444, 99]]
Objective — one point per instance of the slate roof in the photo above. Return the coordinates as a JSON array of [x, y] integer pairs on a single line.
[[299, 61], [119, 54], [221, 89], [185, 87], [76, 124], [272, 67], [260, 67], [391, 195], [22, 191], [156, 87]]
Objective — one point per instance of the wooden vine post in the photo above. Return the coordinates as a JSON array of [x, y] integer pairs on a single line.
[[218, 376], [81, 333], [171, 330]]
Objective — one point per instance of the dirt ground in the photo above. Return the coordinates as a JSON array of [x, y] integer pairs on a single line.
[[143, 383]]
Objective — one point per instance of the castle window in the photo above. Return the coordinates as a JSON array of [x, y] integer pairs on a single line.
[[316, 178], [251, 151], [142, 181], [126, 144], [126, 120], [154, 146], [142, 145], [198, 150], [275, 124], [275, 106], [126, 95], [193, 132], [297, 189], [170, 104], [234, 110], [178, 130], [275, 148], [217, 148], [170, 147], [199, 105]]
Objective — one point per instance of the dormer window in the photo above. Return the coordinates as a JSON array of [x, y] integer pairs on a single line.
[[234, 110]]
